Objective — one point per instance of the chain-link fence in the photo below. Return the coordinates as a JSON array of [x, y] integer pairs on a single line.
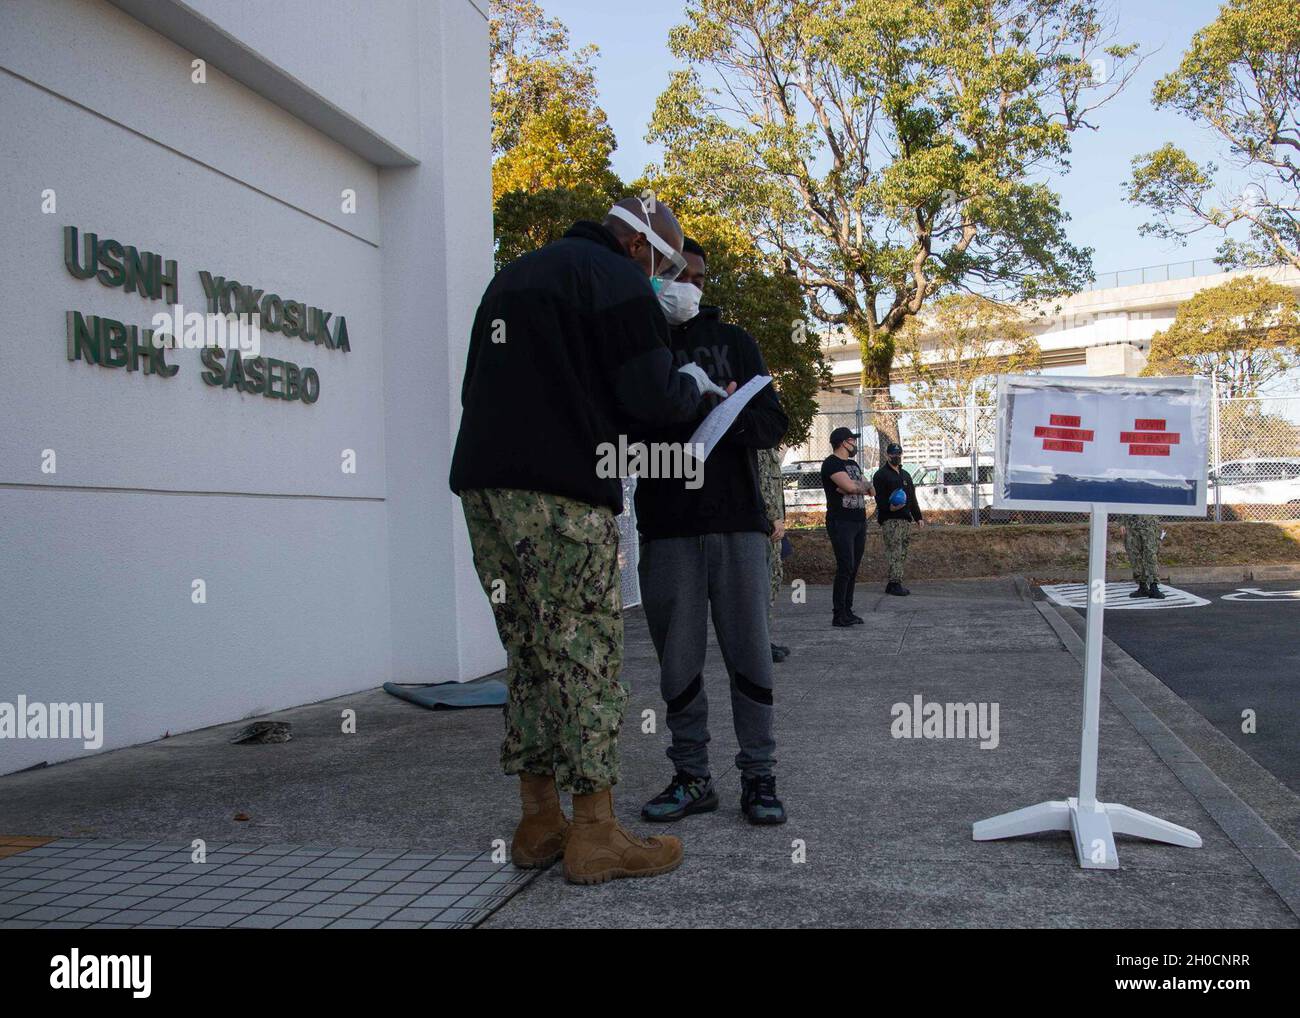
[[1254, 467]]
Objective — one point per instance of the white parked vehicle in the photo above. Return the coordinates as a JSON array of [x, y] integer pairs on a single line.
[[803, 486], [1273, 480], [946, 484]]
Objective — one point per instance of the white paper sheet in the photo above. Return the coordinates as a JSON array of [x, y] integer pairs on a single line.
[[713, 427]]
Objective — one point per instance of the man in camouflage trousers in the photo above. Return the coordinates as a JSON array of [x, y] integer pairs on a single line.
[[569, 347], [1142, 542], [554, 564], [772, 487]]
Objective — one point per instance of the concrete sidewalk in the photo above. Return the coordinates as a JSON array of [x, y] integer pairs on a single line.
[[883, 823]]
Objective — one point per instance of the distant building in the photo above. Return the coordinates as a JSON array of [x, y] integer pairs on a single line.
[[1099, 332]]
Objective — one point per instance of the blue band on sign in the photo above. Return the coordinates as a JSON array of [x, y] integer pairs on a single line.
[[1075, 489]]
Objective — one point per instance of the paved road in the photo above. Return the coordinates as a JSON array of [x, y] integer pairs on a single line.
[[1228, 657]]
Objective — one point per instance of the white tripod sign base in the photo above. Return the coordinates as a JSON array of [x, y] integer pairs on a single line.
[[1093, 829]]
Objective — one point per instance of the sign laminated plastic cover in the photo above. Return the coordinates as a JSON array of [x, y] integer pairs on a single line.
[[1132, 445]]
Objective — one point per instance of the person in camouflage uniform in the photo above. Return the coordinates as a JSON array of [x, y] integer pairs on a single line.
[[569, 347], [1142, 543], [897, 535], [772, 487], [549, 565], [896, 521]]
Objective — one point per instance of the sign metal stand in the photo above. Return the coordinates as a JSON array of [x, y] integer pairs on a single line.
[[1093, 824]]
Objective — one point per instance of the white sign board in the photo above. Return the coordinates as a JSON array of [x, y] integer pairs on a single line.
[[1133, 445], [1126, 445]]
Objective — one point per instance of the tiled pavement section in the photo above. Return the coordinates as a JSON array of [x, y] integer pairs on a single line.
[[11, 845], [75, 883]]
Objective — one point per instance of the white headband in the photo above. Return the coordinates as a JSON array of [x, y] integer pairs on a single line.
[[656, 241]]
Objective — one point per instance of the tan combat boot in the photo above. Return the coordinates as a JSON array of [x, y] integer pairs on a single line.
[[539, 839], [599, 849]]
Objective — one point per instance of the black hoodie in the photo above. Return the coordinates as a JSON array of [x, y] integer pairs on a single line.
[[568, 351], [730, 499]]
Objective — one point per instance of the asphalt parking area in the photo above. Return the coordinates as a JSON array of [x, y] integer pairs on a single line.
[[1228, 657]]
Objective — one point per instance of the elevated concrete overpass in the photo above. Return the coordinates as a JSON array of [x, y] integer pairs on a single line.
[[1106, 330]]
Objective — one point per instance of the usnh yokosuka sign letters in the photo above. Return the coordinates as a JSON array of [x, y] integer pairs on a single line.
[[227, 332]]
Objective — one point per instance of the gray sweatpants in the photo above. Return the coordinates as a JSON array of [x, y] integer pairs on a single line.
[[681, 579]]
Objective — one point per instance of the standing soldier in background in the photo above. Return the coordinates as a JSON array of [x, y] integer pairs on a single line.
[[1142, 542], [773, 490], [569, 348], [896, 509]]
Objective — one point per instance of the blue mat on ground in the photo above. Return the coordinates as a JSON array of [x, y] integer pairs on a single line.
[[451, 695]]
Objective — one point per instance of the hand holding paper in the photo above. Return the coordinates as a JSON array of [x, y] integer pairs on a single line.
[[713, 427], [702, 380]]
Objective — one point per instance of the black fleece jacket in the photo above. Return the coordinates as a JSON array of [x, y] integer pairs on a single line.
[[886, 481], [730, 499], [568, 351]]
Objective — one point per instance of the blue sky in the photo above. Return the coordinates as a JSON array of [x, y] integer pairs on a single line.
[[634, 65]]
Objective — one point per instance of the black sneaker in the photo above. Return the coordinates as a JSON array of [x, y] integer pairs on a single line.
[[685, 794], [1142, 591], [897, 589], [778, 653], [842, 621], [857, 620], [1156, 592], [758, 800]]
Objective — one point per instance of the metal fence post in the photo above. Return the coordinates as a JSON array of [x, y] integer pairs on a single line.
[[972, 430], [1215, 449], [857, 426]]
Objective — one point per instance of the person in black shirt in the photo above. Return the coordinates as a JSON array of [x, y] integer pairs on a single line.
[[896, 519], [846, 520], [704, 550]]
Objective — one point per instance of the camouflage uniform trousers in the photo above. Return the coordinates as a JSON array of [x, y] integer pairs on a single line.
[[1142, 542], [777, 571], [897, 535], [772, 488], [549, 565]]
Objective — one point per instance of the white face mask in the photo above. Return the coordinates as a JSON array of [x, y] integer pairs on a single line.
[[680, 301]]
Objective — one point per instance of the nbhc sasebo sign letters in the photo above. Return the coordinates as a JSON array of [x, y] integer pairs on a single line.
[[229, 304], [1127, 445]]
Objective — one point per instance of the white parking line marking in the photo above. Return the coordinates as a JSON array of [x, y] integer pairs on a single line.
[[1257, 595], [1075, 595]]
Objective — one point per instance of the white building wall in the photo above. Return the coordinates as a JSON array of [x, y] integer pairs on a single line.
[[318, 581]]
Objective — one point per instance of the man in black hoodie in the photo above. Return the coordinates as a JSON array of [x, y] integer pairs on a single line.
[[705, 546], [569, 348]]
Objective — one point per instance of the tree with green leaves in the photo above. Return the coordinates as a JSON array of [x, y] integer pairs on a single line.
[[953, 352], [891, 151], [552, 147], [551, 141], [1240, 81], [1245, 332]]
